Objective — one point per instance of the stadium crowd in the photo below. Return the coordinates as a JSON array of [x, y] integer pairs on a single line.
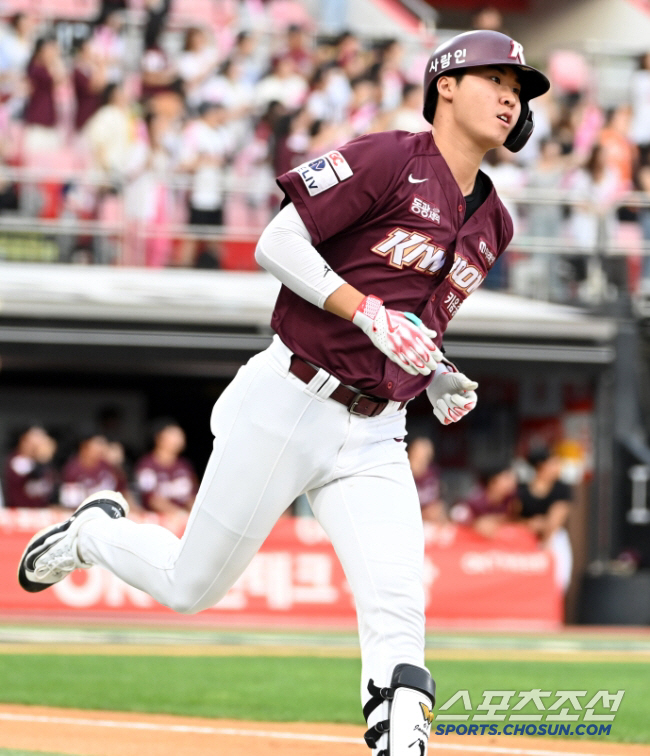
[[173, 123]]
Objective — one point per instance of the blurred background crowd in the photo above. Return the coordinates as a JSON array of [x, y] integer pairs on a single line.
[[155, 131], [42, 471]]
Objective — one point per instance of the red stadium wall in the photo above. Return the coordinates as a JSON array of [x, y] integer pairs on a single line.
[[296, 580]]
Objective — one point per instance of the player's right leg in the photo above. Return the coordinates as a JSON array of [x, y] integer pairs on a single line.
[[371, 513], [264, 429]]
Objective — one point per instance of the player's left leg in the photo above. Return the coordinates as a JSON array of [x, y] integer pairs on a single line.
[[372, 516]]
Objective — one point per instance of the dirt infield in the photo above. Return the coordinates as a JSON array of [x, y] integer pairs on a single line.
[[101, 733]]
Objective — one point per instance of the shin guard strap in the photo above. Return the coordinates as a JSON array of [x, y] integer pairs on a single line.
[[374, 733], [379, 695]]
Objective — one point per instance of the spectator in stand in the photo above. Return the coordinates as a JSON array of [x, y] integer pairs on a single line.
[[229, 88], [159, 74], [205, 147], [547, 174], [246, 54], [491, 503], [16, 44], [292, 141], [387, 71], [31, 479], [89, 79], [544, 505], [408, 116], [640, 100], [166, 481], [195, 64], [508, 177], [111, 132], [283, 84], [106, 7], [330, 93], [296, 49], [17, 41], [349, 51], [426, 474], [619, 152], [546, 221], [318, 104], [364, 105], [148, 197], [44, 71], [597, 185], [489, 18], [88, 471], [253, 163], [157, 12], [109, 46]]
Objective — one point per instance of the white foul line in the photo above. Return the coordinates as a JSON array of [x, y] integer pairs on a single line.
[[204, 730]]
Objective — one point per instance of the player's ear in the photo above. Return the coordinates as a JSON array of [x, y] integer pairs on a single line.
[[446, 86]]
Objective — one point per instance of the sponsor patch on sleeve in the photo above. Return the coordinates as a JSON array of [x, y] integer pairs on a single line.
[[324, 172]]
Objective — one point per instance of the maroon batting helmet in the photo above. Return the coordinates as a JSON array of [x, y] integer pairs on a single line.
[[486, 48]]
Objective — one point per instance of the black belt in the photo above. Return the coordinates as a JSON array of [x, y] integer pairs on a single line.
[[356, 402]]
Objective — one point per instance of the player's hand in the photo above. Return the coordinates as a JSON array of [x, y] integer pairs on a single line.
[[452, 396], [401, 336]]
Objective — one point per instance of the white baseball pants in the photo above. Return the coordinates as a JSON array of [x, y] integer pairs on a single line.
[[275, 438]]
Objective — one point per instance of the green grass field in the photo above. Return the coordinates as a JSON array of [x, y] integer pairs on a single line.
[[308, 689]]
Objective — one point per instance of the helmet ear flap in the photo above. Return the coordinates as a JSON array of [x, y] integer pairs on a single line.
[[522, 130], [430, 102]]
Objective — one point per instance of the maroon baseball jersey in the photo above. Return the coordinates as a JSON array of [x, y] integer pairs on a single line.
[[29, 484], [78, 481], [176, 482], [387, 215]]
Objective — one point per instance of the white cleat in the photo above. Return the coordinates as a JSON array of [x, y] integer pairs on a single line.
[[51, 554]]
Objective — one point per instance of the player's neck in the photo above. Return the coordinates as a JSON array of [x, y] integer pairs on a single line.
[[462, 156]]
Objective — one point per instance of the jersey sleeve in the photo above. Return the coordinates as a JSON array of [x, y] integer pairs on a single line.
[[334, 191], [506, 231]]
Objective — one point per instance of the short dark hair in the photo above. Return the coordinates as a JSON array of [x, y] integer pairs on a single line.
[[538, 455], [487, 474], [431, 96]]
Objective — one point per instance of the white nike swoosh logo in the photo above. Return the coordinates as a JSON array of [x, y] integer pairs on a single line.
[[416, 181]]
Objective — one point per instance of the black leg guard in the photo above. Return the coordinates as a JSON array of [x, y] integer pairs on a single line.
[[412, 696]]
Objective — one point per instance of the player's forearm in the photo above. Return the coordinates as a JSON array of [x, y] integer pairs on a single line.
[[344, 302], [286, 251]]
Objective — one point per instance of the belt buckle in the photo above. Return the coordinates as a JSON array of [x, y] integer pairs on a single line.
[[356, 400]]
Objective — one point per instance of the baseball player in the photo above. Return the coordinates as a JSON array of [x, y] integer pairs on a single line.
[[377, 245]]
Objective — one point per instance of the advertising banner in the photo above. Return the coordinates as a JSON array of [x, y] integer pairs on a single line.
[[296, 579]]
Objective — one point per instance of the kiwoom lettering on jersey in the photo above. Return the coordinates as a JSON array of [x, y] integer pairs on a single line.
[[324, 172], [412, 249], [464, 276]]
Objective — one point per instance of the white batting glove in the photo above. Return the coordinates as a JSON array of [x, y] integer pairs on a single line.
[[401, 336], [452, 395]]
